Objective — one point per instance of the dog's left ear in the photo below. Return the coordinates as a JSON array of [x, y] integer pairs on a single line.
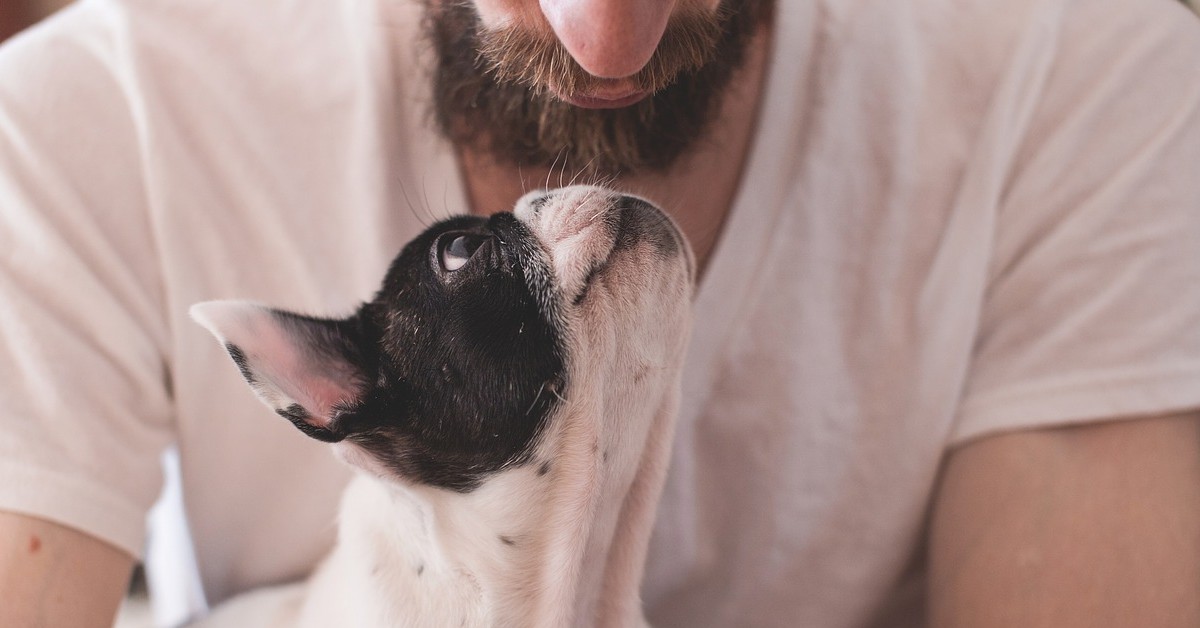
[[306, 369]]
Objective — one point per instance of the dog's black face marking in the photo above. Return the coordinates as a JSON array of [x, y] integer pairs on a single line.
[[463, 356], [452, 371]]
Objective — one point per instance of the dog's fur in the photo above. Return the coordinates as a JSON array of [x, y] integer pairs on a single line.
[[511, 419]]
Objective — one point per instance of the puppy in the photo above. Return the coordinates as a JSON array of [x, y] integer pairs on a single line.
[[508, 399]]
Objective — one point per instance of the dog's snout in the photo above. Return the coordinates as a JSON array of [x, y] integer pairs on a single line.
[[583, 228], [641, 221]]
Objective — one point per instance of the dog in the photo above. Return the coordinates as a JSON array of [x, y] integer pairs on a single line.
[[507, 399]]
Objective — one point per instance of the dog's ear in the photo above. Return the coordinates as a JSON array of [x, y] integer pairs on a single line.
[[306, 369]]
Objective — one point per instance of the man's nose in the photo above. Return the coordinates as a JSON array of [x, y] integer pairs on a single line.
[[609, 38]]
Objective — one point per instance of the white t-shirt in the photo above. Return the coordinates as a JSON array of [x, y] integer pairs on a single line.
[[957, 218]]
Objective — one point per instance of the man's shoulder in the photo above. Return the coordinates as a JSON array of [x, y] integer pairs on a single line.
[[181, 50], [970, 59], [185, 80], [925, 49], [982, 39]]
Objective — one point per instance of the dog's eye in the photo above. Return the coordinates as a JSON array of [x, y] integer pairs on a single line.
[[456, 250]]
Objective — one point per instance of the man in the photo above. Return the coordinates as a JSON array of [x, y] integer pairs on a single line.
[[947, 351]]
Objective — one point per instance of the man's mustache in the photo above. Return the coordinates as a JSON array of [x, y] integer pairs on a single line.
[[536, 59]]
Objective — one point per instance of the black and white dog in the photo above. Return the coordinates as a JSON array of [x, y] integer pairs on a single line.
[[508, 398]]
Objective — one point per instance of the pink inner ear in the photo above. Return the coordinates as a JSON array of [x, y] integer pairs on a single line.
[[305, 380], [286, 369]]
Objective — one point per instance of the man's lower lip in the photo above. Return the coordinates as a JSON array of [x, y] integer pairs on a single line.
[[595, 102]]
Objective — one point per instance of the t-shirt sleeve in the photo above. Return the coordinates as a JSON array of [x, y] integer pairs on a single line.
[[84, 406], [1092, 309]]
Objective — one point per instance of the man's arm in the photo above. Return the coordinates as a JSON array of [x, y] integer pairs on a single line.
[[51, 575], [1083, 526]]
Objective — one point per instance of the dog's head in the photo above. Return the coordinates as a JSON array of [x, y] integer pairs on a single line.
[[487, 338]]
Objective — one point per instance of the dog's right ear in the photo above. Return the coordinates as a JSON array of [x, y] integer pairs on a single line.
[[306, 369]]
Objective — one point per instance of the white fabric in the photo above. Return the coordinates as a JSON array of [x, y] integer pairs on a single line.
[[958, 218]]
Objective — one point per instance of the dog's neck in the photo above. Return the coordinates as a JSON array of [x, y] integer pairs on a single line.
[[484, 552], [549, 543]]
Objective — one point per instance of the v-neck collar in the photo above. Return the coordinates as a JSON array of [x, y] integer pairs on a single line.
[[731, 279], [763, 192]]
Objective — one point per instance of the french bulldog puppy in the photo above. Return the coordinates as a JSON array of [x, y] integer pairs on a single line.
[[508, 400]]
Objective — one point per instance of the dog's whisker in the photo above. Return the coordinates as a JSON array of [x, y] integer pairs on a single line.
[[412, 208], [446, 202], [562, 152], [585, 169], [425, 195], [598, 180], [535, 398], [588, 197]]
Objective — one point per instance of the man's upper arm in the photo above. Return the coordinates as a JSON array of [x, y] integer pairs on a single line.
[[84, 340], [85, 412], [51, 575], [1096, 525]]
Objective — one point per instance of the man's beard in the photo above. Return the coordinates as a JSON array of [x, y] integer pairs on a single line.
[[492, 92]]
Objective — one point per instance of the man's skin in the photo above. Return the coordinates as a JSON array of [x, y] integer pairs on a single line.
[[53, 576], [1083, 526], [1088, 526]]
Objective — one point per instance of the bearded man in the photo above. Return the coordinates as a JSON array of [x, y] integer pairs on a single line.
[[947, 341]]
